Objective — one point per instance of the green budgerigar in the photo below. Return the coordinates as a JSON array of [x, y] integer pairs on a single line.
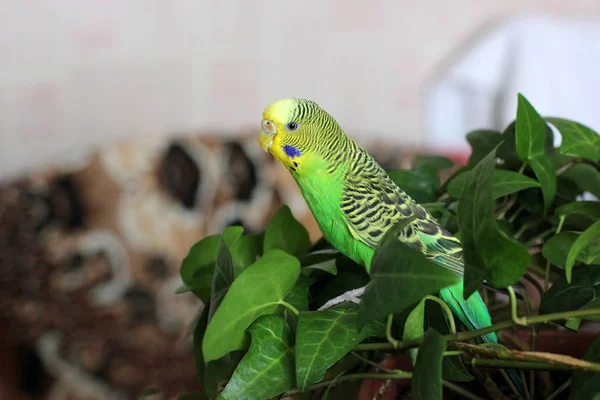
[[355, 202]]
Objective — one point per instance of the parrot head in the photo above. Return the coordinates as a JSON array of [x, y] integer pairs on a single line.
[[293, 129]]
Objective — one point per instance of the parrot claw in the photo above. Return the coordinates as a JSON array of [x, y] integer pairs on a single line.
[[351, 295]]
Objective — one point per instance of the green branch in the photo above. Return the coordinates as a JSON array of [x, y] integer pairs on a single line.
[[290, 307], [576, 161], [463, 336], [528, 365]]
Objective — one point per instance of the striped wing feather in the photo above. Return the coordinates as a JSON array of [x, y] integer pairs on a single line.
[[372, 203]]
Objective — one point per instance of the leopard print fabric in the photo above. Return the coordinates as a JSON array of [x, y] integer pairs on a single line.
[[90, 257]]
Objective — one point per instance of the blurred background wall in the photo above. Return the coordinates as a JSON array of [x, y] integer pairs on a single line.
[[80, 73]]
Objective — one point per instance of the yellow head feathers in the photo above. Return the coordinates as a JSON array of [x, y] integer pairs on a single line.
[[296, 131]]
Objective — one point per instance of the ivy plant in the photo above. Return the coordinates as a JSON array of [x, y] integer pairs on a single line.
[[526, 211]]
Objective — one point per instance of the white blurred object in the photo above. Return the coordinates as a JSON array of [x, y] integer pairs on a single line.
[[553, 62]]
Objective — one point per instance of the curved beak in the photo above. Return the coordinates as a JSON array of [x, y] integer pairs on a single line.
[[267, 134]]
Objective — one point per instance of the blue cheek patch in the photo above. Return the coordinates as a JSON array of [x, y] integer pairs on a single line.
[[291, 151]]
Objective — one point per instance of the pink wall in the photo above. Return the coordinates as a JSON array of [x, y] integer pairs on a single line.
[[79, 73]]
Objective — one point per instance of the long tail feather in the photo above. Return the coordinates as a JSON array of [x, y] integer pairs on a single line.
[[474, 314]]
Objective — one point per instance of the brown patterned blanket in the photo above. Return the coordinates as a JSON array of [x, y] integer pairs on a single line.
[[90, 256]]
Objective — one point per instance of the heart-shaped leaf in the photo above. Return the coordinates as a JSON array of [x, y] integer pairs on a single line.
[[257, 291], [324, 337], [427, 375], [267, 369], [284, 232], [401, 276], [577, 139]]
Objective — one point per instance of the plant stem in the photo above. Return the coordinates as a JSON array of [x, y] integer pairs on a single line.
[[576, 161], [446, 309], [542, 235], [518, 211], [371, 363], [507, 357], [506, 206], [523, 166], [457, 389], [289, 307], [511, 384], [561, 389], [350, 377], [513, 308], [462, 336], [547, 274], [388, 331], [534, 282], [528, 365]]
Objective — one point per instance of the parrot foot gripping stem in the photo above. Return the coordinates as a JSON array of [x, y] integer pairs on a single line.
[[351, 295]]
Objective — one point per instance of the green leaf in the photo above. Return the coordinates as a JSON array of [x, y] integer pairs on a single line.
[[507, 182], [198, 266], [557, 247], [546, 175], [564, 296], [244, 251], [323, 260], [585, 384], [401, 276], [414, 328], [482, 142], [504, 183], [530, 131], [489, 253], [267, 369], [507, 151], [199, 331], [438, 162], [324, 337], [588, 237], [218, 372], [420, 183], [531, 143], [285, 233], [577, 139], [224, 273], [257, 291], [298, 295], [586, 177], [590, 210], [427, 375]]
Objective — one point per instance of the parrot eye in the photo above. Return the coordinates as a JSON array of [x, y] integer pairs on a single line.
[[292, 126]]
